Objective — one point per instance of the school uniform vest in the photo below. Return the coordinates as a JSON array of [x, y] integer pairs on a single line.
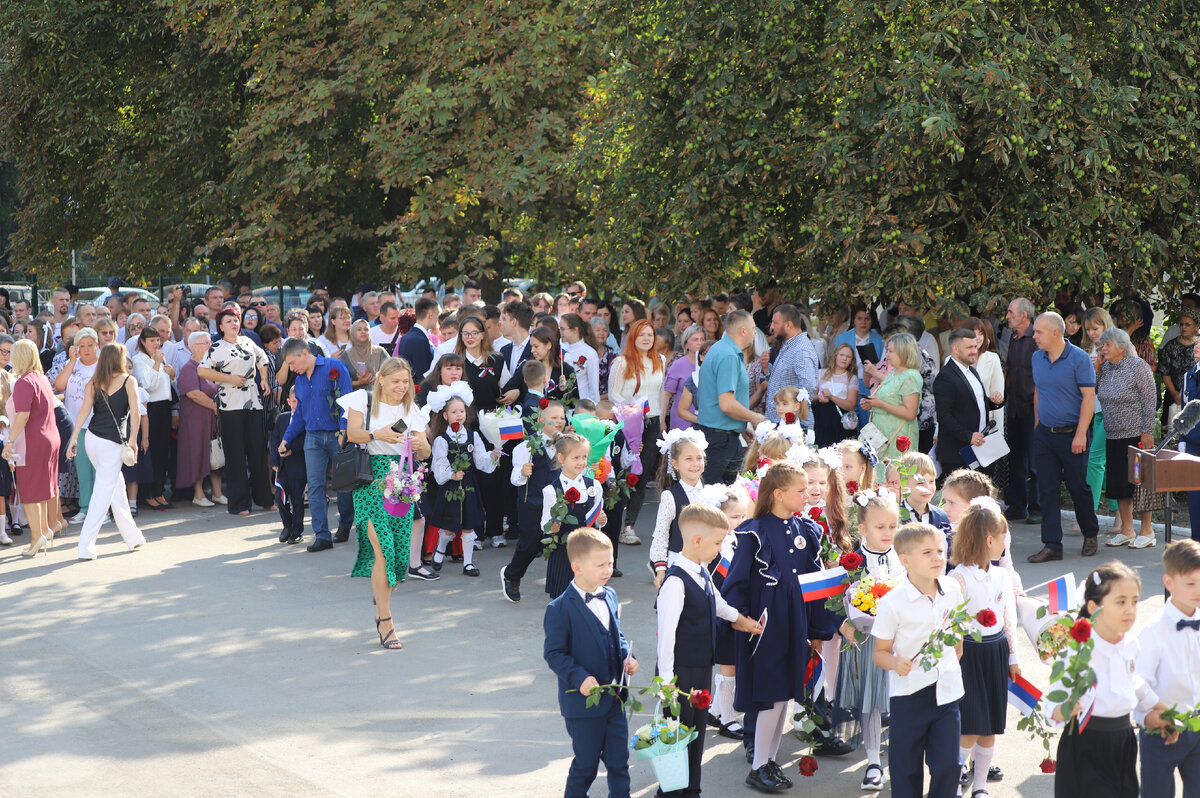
[[543, 474], [675, 541], [578, 511], [696, 633], [484, 380]]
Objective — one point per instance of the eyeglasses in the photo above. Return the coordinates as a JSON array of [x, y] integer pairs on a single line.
[[470, 333], [258, 304], [6, 352], [135, 326]]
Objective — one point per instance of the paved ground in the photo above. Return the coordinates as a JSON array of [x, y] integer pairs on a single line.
[[218, 662]]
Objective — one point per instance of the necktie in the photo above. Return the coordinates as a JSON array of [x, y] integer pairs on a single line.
[[600, 596], [1193, 625], [708, 588]]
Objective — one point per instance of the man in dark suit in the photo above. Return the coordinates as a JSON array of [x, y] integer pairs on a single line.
[[962, 401], [415, 345]]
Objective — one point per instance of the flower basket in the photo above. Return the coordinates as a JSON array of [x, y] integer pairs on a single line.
[[396, 507], [670, 763]]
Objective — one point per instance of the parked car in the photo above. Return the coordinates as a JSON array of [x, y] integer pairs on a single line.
[[292, 297], [96, 295], [410, 297]]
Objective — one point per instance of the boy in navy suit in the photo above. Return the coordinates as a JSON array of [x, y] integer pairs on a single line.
[[585, 648]]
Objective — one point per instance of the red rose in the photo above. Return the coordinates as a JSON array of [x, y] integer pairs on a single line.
[[582, 359], [631, 480], [789, 418], [1049, 765], [333, 374], [903, 443], [455, 426], [808, 765], [851, 561], [1081, 632], [815, 513], [701, 699], [852, 487], [986, 617], [543, 403], [572, 495], [417, 388]]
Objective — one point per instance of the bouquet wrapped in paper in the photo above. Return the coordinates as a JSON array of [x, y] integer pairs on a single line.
[[1048, 636], [599, 434], [632, 417], [862, 601], [500, 426]]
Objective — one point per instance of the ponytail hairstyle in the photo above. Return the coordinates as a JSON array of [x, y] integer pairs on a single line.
[[667, 475], [835, 504], [981, 521], [1099, 584], [869, 499], [774, 447], [851, 450], [780, 476]]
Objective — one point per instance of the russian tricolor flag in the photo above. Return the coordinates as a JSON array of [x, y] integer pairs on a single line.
[[723, 567], [1062, 593], [592, 516], [814, 685], [820, 585], [1023, 695], [511, 428]]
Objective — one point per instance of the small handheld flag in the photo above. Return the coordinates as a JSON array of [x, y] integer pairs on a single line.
[[814, 683], [511, 428], [594, 514], [820, 585], [1023, 695], [722, 567], [1062, 593], [282, 493]]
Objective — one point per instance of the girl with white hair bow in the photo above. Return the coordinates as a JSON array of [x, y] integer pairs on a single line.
[[679, 474]]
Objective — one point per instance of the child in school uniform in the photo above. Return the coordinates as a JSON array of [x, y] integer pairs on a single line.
[[735, 504], [533, 372], [1168, 661], [291, 475], [924, 726], [678, 479], [989, 663], [532, 471], [861, 694], [584, 500], [774, 547], [959, 489], [916, 497], [1101, 760], [585, 648], [688, 608], [459, 453]]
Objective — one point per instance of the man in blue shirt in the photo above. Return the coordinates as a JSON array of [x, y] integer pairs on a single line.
[[723, 399], [796, 364], [319, 383], [1064, 400]]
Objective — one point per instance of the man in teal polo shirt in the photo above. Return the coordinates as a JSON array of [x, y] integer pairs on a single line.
[[723, 399]]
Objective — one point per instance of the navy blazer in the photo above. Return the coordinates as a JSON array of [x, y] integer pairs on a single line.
[[414, 347], [577, 646]]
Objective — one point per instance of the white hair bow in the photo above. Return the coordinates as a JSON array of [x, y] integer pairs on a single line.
[[987, 503], [800, 455], [442, 394], [716, 495], [830, 456], [671, 436], [763, 431], [870, 493]]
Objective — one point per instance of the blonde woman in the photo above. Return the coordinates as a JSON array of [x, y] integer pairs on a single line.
[[895, 403], [385, 541], [33, 442]]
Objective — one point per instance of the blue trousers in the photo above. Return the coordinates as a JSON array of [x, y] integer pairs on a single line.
[[319, 448], [1160, 760], [1022, 492], [593, 739], [723, 455], [923, 733], [1056, 463], [1193, 496]]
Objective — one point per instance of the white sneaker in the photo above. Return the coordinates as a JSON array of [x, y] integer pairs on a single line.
[[78, 518], [1118, 540], [5, 540], [1143, 542], [203, 502], [478, 545], [498, 542], [629, 537], [220, 500]]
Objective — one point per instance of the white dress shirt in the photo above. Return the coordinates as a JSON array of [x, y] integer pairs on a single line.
[[514, 357], [154, 379], [599, 608], [660, 541], [445, 348], [590, 497], [1169, 660], [480, 454], [670, 606], [993, 590], [908, 617], [1119, 689], [521, 455], [588, 376]]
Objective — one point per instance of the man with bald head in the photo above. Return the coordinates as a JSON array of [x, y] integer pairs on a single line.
[[1064, 400]]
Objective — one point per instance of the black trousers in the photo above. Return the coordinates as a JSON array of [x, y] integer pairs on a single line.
[[247, 469], [291, 506], [616, 520], [491, 490], [529, 544], [158, 417], [692, 679]]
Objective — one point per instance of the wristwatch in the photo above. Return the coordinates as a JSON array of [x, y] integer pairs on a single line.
[[371, 434]]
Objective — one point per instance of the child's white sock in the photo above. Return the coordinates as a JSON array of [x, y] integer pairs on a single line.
[[768, 733], [468, 544], [983, 761], [964, 756], [873, 736], [724, 691], [443, 545]]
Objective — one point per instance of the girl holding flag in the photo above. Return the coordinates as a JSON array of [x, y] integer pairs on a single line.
[[775, 550]]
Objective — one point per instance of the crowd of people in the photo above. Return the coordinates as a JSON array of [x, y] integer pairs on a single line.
[[857, 416]]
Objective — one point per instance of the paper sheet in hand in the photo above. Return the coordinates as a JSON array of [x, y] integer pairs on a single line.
[[762, 621], [994, 447]]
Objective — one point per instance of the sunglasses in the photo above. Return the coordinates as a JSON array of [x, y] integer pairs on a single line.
[[258, 304]]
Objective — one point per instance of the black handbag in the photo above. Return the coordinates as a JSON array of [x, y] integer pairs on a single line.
[[351, 466]]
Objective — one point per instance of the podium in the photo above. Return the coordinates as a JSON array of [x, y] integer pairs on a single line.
[[1165, 472]]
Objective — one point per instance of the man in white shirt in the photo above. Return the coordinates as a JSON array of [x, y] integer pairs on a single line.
[[387, 332]]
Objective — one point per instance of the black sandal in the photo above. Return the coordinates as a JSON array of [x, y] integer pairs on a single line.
[[391, 641]]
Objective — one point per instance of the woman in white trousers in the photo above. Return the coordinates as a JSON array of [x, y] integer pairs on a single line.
[[111, 399]]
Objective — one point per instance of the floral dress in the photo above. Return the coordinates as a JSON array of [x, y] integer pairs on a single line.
[[895, 387]]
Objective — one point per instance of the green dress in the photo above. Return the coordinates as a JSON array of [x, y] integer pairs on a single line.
[[896, 386], [394, 532]]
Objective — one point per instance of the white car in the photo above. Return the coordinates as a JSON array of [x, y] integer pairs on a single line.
[[97, 295]]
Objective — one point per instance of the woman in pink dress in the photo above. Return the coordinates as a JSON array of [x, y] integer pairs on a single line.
[[33, 442]]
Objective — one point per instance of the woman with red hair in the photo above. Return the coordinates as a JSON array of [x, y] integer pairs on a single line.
[[636, 377]]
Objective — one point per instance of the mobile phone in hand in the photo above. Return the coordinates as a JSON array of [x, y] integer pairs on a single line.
[[399, 426]]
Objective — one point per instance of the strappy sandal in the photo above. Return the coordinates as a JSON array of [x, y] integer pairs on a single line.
[[391, 641]]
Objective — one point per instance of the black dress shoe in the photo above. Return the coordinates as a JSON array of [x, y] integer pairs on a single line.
[[341, 536], [617, 573], [726, 730], [1013, 515], [295, 539], [435, 565], [764, 780], [833, 746], [320, 544], [283, 536], [512, 590], [470, 570], [995, 773], [420, 573], [1033, 519], [778, 773]]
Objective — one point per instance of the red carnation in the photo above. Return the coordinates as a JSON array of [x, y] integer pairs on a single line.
[[789, 418], [880, 589], [417, 388], [572, 495], [1081, 632], [986, 617], [1049, 765], [808, 765], [852, 487], [582, 359], [455, 426], [543, 403], [701, 699], [631, 480], [903, 443], [815, 513], [851, 561]]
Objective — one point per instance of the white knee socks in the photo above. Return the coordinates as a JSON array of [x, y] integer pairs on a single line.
[[443, 546], [983, 761], [723, 698], [468, 544], [872, 728], [768, 733]]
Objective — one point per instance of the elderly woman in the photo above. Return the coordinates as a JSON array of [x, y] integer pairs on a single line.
[[197, 426], [895, 403], [1126, 390], [680, 371], [33, 442]]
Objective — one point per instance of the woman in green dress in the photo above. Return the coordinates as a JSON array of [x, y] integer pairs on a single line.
[[895, 403], [385, 547]]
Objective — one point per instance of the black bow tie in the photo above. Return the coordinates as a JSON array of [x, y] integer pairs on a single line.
[[600, 597], [1193, 625]]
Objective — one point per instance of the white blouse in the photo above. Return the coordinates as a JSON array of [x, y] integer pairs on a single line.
[[1119, 689], [992, 375], [623, 391], [156, 381], [593, 495], [416, 418], [480, 455], [588, 376], [992, 590], [660, 541]]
